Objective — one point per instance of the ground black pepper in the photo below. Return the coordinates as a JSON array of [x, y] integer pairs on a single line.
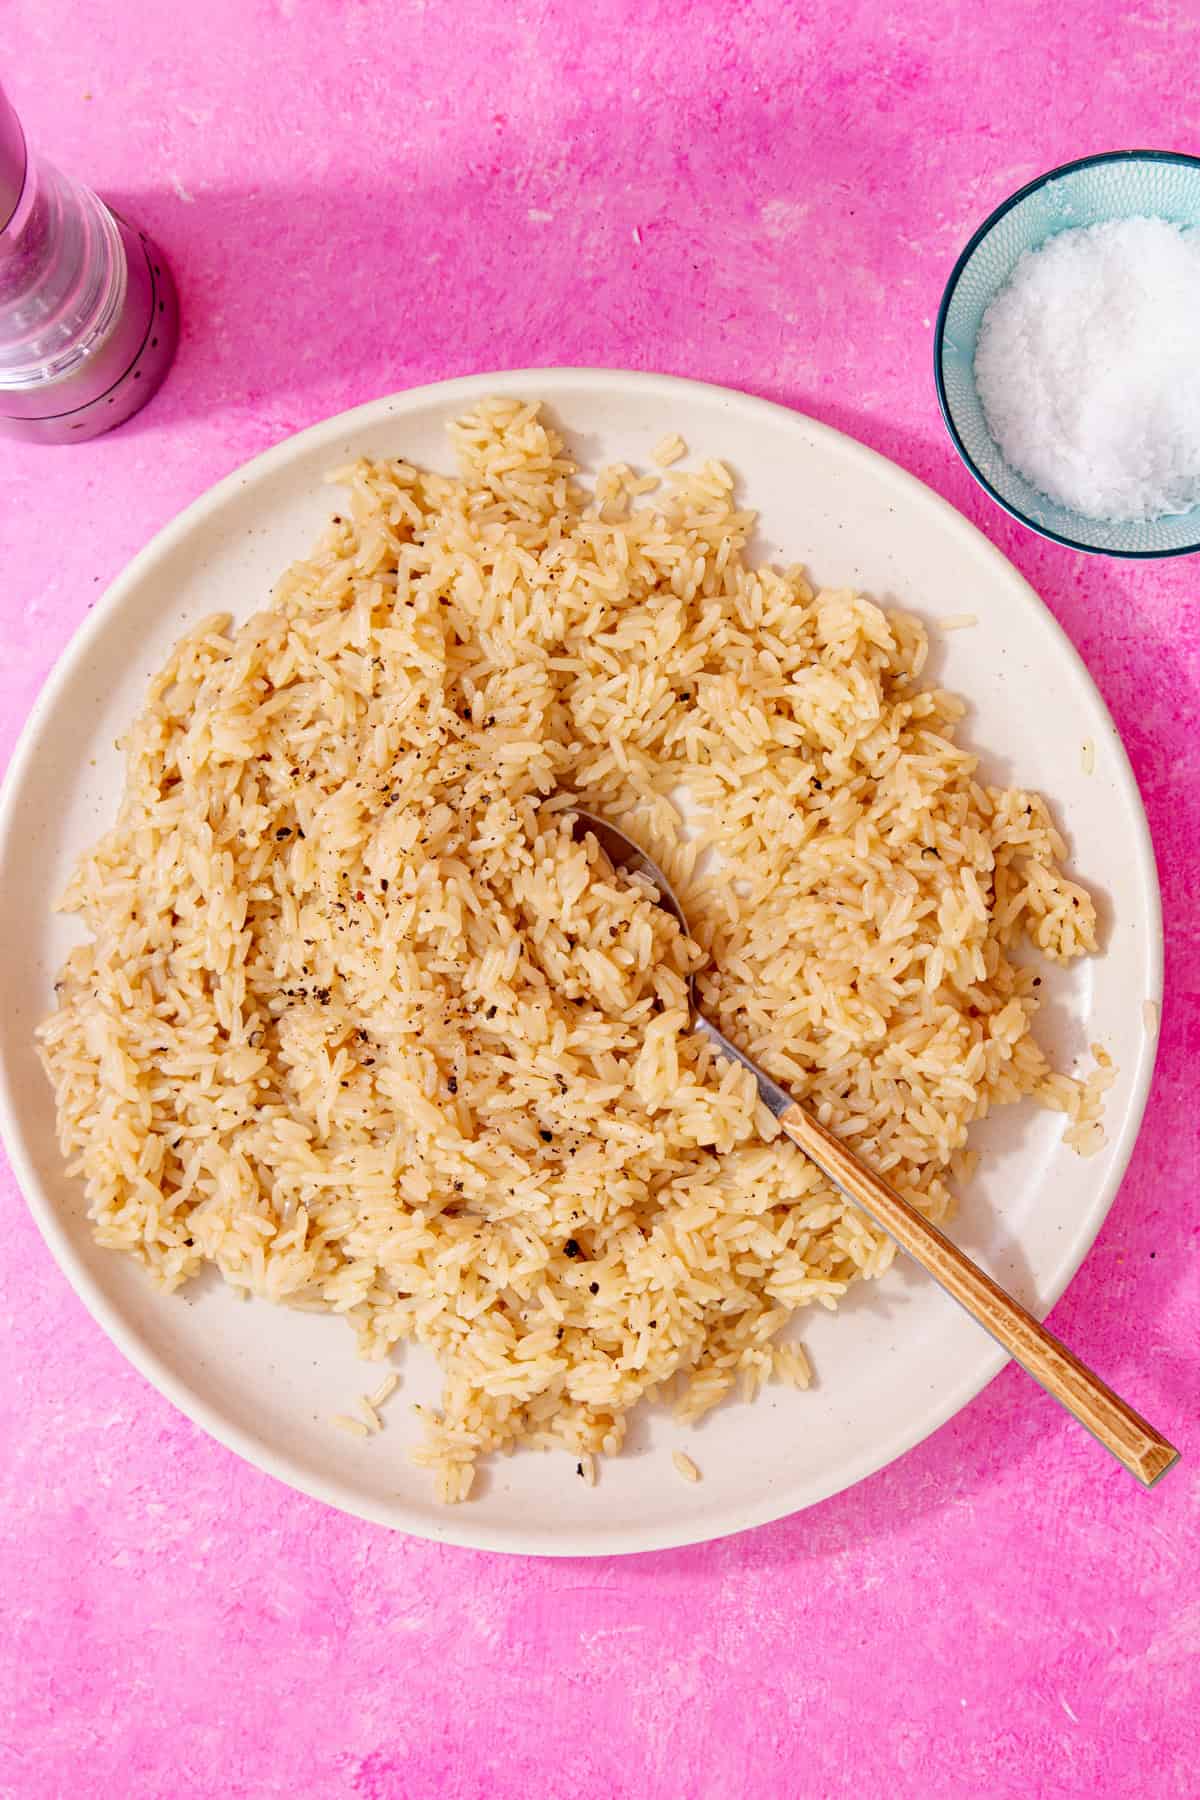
[[571, 1249]]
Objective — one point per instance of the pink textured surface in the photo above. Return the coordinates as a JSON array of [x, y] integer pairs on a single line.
[[361, 196]]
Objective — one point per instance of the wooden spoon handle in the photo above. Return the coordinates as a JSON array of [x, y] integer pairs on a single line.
[[1131, 1440]]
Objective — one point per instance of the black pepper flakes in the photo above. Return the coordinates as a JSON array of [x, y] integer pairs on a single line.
[[285, 831], [452, 1084], [593, 1287], [547, 1137], [571, 1249]]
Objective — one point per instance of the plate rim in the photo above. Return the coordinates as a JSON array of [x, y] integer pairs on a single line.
[[458, 1529]]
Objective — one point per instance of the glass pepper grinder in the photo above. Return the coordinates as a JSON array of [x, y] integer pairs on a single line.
[[89, 318]]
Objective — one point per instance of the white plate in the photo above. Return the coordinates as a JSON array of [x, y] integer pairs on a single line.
[[899, 1358]]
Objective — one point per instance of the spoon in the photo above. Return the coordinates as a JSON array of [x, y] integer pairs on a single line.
[[1110, 1420]]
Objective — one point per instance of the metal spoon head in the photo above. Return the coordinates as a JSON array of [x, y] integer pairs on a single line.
[[624, 854]]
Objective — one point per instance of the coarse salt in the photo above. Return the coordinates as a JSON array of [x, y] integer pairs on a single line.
[[1088, 369]]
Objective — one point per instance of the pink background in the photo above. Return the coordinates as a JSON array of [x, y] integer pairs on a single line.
[[361, 196]]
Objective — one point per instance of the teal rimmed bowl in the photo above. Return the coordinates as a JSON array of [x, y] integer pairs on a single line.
[[1118, 184]]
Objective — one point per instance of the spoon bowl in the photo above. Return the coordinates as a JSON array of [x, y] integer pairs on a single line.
[[632, 860]]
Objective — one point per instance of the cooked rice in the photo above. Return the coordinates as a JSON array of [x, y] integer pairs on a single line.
[[685, 1465], [354, 1427], [668, 450], [367, 1413], [959, 621], [789, 1363], [1150, 1016], [1088, 757], [383, 1392], [361, 1024]]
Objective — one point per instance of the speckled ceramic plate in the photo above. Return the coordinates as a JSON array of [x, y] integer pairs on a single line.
[[899, 1358]]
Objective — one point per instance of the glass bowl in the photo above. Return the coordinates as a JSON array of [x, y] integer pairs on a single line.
[[1116, 185]]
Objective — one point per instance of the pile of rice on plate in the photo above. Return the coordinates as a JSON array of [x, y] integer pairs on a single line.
[[361, 1023]]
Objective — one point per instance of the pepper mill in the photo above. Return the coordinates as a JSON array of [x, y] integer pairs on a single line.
[[89, 317]]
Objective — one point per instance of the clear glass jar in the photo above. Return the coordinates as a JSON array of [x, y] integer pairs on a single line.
[[89, 317], [62, 278]]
